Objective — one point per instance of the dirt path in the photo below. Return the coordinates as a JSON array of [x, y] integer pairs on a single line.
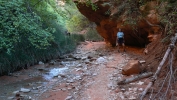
[[89, 73], [104, 84], [100, 88]]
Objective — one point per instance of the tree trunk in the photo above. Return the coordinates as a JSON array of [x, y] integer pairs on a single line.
[[136, 78]]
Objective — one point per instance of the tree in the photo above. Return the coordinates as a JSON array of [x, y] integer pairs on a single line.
[[16, 23]]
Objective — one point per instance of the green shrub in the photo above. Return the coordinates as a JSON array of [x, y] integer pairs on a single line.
[[27, 38], [92, 35]]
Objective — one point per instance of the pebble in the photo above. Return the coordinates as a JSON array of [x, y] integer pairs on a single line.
[[132, 98], [140, 83], [70, 81], [41, 63], [142, 61], [15, 92], [79, 65], [68, 97], [25, 90], [140, 89], [10, 98], [123, 89]]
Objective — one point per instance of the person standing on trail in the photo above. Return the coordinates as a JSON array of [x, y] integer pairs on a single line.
[[120, 39]]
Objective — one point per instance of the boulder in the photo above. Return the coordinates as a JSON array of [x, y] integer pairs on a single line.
[[133, 67]]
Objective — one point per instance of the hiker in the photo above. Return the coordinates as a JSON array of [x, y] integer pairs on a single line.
[[120, 39]]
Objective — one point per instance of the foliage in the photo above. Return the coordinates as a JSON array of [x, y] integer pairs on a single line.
[[129, 9], [16, 23], [94, 6], [168, 14], [77, 23], [77, 38], [32, 31], [92, 35]]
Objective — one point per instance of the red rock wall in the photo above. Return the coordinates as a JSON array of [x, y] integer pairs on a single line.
[[107, 25]]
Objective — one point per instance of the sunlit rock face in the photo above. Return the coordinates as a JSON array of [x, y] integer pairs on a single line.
[[108, 24]]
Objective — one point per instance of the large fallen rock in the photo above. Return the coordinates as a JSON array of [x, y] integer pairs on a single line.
[[133, 67]]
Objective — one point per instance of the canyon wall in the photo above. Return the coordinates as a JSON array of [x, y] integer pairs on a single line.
[[109, 20]]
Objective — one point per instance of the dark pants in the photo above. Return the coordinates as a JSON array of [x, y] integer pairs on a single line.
[[120, 41]]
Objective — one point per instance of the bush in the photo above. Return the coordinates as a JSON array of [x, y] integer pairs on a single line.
[[27, 39], [92, 35]]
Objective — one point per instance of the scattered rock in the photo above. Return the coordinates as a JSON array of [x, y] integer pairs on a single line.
[[100, 54], [132, 98], [130, 89], [111, 86], [77, 58], [25, 90], [62, 75], [38, 87], [117, 91], [70, 81], [79, 65], [135, 89], [140, 89], [58, 60], [142, 61], [145, 51], [62, 57], [87, 61], [15, 92], [70, 59], [39, 82], [69, 88], [123, 89], [35, 91], [120, 94], [63, 89], [77, 78], [111, 58], [42, 69], [79, 69], [10, 98], [92, 59], [94, 74], [140, 83], [71, 56], [68, 97], [101, 60], [91, 56], [25, 97], [131, 68], [41, 63], [84, 58], [52, 62], [78, 52]]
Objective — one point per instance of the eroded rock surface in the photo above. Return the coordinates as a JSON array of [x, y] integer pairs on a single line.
[[108, 20]]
